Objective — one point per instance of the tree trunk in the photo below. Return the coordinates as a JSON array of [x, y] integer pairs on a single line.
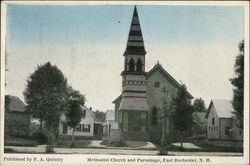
[[163, 150], [181, 141], [50, 147], [163, 134], [11, 130], [73, 137], [57, 135]]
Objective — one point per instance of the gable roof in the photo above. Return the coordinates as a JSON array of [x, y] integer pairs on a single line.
[[165, 74], [16, 104], [117, 99], [87, 109], [223, 108]]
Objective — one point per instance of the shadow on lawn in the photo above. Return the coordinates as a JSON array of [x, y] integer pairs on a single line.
[[202, 148]]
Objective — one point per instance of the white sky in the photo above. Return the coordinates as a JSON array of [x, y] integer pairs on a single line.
[[196, 45]]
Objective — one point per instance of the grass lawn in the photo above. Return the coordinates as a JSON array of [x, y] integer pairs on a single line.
[[114, 144], [77, 144], [200, 147], [19, 141], [212, 148]]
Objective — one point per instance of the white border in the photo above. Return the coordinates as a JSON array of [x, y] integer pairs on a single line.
[[81, 159]]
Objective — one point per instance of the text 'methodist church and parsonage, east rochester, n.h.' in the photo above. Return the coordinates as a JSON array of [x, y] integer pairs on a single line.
[[137, 109]]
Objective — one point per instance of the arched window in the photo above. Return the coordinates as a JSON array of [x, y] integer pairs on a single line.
[[154, 116], [139, 65], [131, 65]]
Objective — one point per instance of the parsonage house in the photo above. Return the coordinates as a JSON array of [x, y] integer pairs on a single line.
[[221, 124], [137, 109], [17, 121], [85, 130]]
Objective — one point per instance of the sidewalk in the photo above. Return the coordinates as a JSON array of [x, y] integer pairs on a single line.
[[117, 151]]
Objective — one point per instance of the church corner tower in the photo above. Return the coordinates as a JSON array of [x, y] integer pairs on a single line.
[[133, 110]]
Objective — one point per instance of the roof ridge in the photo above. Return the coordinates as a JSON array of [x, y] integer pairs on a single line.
[[175, 82]]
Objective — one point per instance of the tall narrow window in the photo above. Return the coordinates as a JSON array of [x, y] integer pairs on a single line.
[[143, 122], [84, 113], [125, 121], [213, 121], [65, 128], [139, 65], [131, 65], [154, 115], [109, 128]]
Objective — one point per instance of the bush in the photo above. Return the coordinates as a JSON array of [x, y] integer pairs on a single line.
[[114, 144], [18, 141], [40, 137]]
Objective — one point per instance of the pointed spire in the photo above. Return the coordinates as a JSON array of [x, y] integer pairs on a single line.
[[135, 43]]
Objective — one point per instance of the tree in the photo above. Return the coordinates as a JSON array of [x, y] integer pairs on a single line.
[[45, 95], [199, 105], [7, 103], [166, 109], [238, 83], [74, 112], [182, 116]]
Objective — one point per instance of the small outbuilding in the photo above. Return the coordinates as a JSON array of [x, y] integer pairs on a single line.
[[221, 124], [17, 121]]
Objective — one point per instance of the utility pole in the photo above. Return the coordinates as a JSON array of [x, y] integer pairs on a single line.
[[163, 150], [164, 91]]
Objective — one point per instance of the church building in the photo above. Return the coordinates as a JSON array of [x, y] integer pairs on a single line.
[[137, 109]]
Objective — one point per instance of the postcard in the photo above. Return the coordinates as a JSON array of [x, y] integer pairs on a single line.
[[140, 82]]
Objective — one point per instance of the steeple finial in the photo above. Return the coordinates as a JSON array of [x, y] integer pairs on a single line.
[[135, 43]]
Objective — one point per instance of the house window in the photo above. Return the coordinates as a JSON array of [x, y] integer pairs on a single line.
[[65, 128], [227, 130], [157, 84], [154, 116], [109, 128], [84, 113], [78, 128], [85, 128], [213, 121]]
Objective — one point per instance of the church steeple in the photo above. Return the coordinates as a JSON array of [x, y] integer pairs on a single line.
[[133, 108], [135, 43]]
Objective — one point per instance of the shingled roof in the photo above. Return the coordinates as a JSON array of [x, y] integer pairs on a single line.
[[223, 108], [135, 44], [16, 104]]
